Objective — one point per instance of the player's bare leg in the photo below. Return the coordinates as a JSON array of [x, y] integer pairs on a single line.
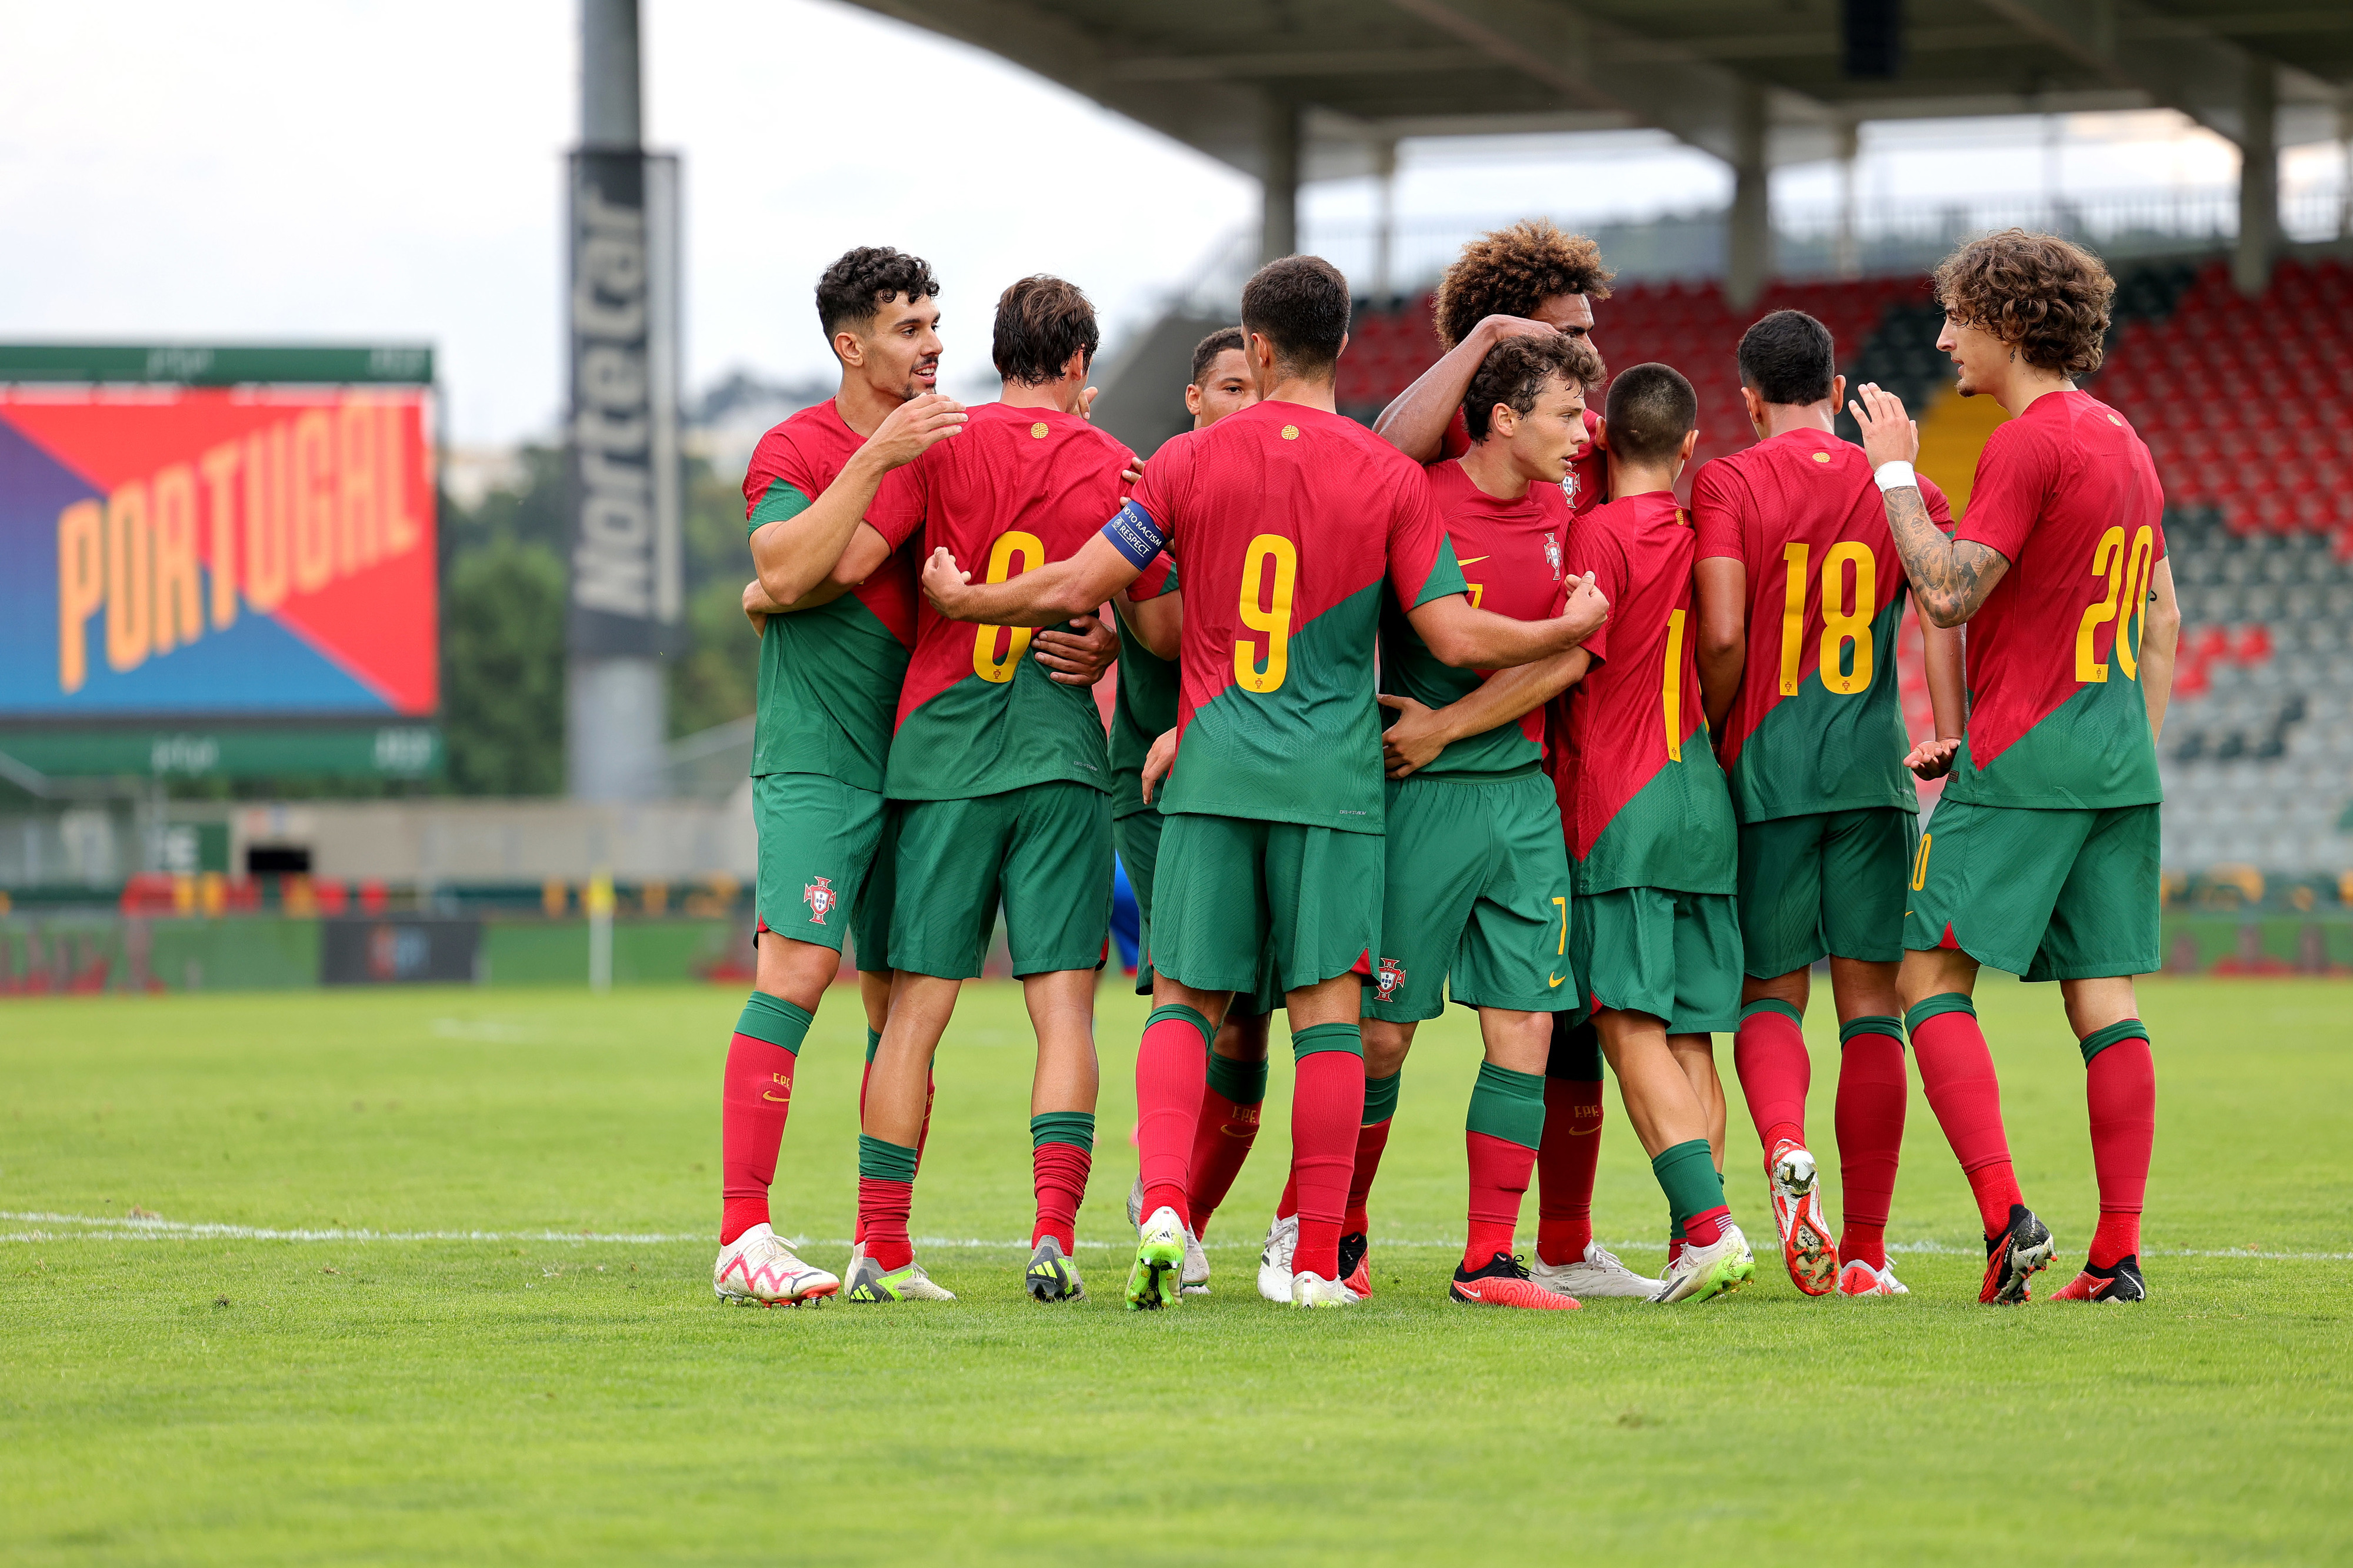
[[1171, 1061], [1500, 1138], [1664, 1103], [898, 1102], [1061, 1124], [1957, 1077], [755, 1266], [2120, 1091]]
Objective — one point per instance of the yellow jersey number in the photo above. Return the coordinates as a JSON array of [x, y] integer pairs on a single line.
[[2128, 572], [1845, 620], [987, 662], [1269, 573]]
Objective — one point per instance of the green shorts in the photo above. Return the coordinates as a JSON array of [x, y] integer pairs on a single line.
[[1042, 851], [1228, 886], [1137, 835], [1831, 883], [2049, 895], [1673, 955], [1476, 900], [824, 863]]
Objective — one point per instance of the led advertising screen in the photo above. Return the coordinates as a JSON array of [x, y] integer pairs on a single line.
[[224, 551]]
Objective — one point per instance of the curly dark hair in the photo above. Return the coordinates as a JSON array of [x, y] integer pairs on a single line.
[[2044, 296], [1514, 373], [1042, 321], [850, 292], [1205, 352], [1512, 272]]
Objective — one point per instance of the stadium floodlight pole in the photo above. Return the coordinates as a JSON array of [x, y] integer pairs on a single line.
[[621, 426]]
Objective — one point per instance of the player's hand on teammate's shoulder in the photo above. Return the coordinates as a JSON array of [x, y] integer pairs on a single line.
[[945, 584], [1158, 761], [1932, 759], [1495, 329], [1587, 606], [910, 430], [1888, 434], [1414, 741], [1078, 656]]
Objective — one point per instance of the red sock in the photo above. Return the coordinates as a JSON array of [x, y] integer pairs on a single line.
[[1059, 1172], [1870, 1100], [1565, 1161], [755, 1096], [858, 1227], [1222, 1141], [1370, 1141], [1171, 1061], [1327, 1107], [1287, 1206], [1957, 1074], [1499, 1180], [882, 1208], [1704, 1229], [1769, 1055], [2120, 1087]]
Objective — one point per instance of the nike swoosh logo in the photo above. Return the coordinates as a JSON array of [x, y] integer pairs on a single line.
[[1469, 560], [1557, 979], [777, 1098], [1469, 1294]]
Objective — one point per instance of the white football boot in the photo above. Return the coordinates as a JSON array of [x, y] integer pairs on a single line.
[[757, 1269], [1857, 1278], [1597, 1273], [1315, 1290], [1274, 1259], [1703, 1272]]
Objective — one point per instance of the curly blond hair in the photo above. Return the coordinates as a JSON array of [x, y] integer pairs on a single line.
[[1512, 272], [2044, 296]]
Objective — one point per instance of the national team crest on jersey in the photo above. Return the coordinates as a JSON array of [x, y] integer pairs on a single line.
[[820, 897], [1552, 542], [1568, 489], [1391, 976]]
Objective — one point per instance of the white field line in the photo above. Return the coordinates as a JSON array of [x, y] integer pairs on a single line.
[[109, 1227]]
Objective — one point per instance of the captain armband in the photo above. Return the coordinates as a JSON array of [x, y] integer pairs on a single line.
[[1134, 535]]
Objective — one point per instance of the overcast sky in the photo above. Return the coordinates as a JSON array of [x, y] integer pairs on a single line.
[[364, 172]]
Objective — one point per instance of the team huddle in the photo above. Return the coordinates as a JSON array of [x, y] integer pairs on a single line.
[[1460, 705]]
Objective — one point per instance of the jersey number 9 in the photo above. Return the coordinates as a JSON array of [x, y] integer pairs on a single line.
[[987, 662], [1266, 608], [1840, 625]]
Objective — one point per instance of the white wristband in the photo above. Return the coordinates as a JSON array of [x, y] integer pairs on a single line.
[[1895, 476]]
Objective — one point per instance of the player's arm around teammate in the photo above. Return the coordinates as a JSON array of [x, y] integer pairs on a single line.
[[2042, 856]]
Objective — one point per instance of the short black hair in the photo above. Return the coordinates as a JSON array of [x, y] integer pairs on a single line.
[[1651, 409], [1042, 321], [851, 291], [1299, 304], [1205, 352], [1515, 370], [1789, 358]]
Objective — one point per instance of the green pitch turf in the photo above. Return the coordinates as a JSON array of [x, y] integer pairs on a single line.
[[524, 1363]]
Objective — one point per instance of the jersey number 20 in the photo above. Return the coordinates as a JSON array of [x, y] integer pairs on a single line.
[[1270, 572], [986, 663], [1840, 625], [2128, 575]]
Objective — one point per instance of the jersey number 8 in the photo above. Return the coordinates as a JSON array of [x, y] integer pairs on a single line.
[[986, 663], [1840, 626], [1266, 607]]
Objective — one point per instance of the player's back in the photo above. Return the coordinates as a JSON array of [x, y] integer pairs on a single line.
[[1818, 724], [1286, 521], [1017, 488], [1645, 801], [2067, 492], [829, 678]]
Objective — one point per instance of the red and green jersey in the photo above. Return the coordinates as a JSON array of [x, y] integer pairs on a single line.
[[1287, 521], [2066, 491], [1510, 553], [1586, 485], [1818, 724], [828, 676], [1643, 802], [1146, 705], [1015, 488]]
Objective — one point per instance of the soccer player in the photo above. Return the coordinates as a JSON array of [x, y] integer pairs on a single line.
[[829, 683], [1002, 782], [1235, 1087], [1476, 900], [1656, 939], [1800, 592], [2042, 855], [1288, 523]]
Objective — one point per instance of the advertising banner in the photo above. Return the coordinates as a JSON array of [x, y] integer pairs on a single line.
[[169, 552]]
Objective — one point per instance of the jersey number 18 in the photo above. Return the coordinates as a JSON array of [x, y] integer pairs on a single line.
[[1840, 625]]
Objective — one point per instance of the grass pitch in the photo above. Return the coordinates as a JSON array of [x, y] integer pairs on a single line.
[[524, 1362]]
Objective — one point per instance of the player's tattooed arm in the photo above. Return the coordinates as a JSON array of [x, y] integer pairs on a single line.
[[1415, 422], [2160, 633], [1057, 592], [1420, 732], [1723, 590], [1950, 577]]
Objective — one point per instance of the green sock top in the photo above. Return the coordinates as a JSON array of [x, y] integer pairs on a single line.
[[1244, 1083], [1507, 1105], [1687, 1174], [1381, 1097], [1076, 1128], [774, 1020]]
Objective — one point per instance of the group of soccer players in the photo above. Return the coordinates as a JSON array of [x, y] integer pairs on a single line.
[[1461, 705]]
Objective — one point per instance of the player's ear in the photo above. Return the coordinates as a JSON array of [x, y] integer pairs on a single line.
[[1504, 420], [1690, 444], [849, 348], [1838, 392], [1600, 434]]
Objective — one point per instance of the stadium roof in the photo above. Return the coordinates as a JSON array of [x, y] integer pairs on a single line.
[[1362, 73]]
